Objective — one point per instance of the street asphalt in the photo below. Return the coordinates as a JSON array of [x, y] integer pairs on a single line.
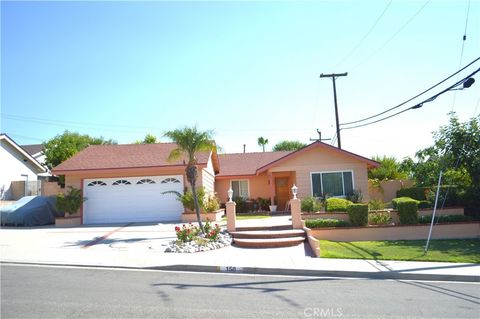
[[71, 292]]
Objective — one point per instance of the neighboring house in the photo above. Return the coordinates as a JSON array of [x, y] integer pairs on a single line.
[[133, 183], [36, 151], [128, 183], [316, 169], [18, 168]]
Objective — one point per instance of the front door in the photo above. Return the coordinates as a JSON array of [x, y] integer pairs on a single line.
[[282, 192]]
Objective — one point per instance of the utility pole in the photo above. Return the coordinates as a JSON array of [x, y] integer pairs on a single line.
[[333, 76], [319, 137]]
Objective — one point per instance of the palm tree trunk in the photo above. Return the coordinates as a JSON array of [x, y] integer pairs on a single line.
[[197, 207], [191, 171]]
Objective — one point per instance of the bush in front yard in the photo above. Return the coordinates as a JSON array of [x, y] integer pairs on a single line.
[[311, 204], [358, 214], [408, 211], [424, 204], [334, 204], [325, 222], [379, 218], [444, 219], [397, 200], [418, 193]]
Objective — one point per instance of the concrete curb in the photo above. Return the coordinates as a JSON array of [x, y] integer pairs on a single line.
[[277, 271]]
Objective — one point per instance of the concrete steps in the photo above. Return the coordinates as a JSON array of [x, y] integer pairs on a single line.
[[266, 237]]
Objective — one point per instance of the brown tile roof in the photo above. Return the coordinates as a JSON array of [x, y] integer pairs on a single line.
[[246, 163], [124, 156]]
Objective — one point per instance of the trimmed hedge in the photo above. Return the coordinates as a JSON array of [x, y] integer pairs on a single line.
[[444, 219], [408, 211], [325, 222], [358, 214], [397, 200], [417, 193], [311, 204], [334, 204]]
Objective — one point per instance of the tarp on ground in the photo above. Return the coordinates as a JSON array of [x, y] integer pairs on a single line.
[[30, 211]]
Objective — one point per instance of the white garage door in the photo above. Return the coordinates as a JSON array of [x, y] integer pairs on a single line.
[[132, 199]]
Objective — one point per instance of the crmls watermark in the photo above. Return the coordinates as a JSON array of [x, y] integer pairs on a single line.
[[315, 312]]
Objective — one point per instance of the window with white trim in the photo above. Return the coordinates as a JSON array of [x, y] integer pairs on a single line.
[[338, 184], [240, 188]]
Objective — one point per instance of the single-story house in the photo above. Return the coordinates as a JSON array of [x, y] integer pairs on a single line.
[[128, 183], [19, 170], [316, 169]]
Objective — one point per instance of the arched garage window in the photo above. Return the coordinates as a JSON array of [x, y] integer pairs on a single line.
[[95, 183], [146, 181], [170, 180], [121, 182]]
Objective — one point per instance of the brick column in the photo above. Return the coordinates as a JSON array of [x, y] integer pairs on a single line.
[[296, 213], [231, 215]]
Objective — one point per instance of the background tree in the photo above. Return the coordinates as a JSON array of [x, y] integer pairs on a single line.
[[262, 142], [149, 139], [64, 146], [456, 152], [288, 146], [189, 142], [389, 169]]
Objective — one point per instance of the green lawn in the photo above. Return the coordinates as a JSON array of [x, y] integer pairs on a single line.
[[448, 250], [243, 217]]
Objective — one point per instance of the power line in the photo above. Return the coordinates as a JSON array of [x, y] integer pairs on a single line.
[[461, 52], [394, 35], [419, 105], [405, 102], [355, 48]]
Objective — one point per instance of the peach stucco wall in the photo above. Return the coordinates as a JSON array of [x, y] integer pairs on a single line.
[[388, 189], [323, 160], [257, 186]]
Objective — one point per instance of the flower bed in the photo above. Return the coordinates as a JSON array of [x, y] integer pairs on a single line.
[[190, 239]]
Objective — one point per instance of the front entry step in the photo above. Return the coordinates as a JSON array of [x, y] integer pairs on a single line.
[[268, 242], [268, 237], [259, 234]]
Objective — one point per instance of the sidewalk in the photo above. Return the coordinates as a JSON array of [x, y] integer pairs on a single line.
[[142, 246]]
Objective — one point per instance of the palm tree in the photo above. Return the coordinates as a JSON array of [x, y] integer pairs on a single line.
[[189, 142], [262, 142]]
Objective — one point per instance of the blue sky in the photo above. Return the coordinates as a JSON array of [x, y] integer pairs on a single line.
[[243, 69]]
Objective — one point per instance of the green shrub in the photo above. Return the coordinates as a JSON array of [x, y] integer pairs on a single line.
[[242, 205], [311, 204], [424, 204], [325, 222], [395, 201], [418, 193], [356, 196], [408, 211], [444, 219], [187, 198], [376, 204], [334, 204], [358, 214], [211, 204], [263, 203], [379, 218], [71, 201]]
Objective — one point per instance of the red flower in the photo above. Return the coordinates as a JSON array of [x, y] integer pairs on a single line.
[[177, 228]]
